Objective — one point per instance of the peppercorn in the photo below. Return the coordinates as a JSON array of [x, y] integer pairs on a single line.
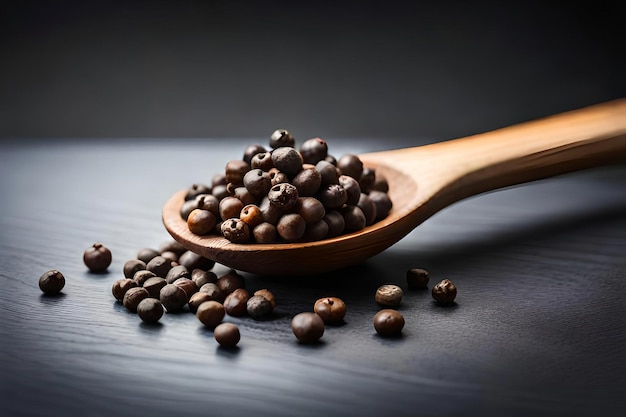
[[388, 323], [389, 295], [227, 335], [97, 257], [120, 287], [281, 137], [176, 272], [314, 150], [267, 294], [132, 266], [235, 230], [444, 292], [307, 327], [259, 307], [331, 309], [51, 282], [235, 303], [142, 276], [150, 310], [133, 297], [197, 299], [210, 313], [153, 285], [192, 260], [173, 298], [417, 279], [287, 160]]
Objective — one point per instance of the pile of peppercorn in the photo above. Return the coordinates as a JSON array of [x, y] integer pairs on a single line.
[[286, 194]]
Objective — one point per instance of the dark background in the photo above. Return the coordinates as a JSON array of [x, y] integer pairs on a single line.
[[334, 69]]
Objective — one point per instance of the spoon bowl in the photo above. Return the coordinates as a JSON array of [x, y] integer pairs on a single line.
[[423, 180]]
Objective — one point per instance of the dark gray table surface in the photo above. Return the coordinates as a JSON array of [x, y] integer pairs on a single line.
[[539, 327]]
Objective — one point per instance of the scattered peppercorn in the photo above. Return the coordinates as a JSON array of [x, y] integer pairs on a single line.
[[444, 292], [150, 310], [51, 282], [97, 257], [417, 279], [389, 295], [227, 335], [331, 309], [388, 322], [307, 327]]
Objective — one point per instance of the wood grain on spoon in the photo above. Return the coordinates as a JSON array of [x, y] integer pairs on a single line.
[[423, 180]]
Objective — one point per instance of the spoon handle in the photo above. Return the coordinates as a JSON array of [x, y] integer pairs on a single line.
[[585, 138]]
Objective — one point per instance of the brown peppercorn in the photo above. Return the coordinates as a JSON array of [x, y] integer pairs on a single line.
[[230, 281], [97, 258], [264, 292], [331, 309], [201, 222], [213, 291], [210, 313], [259, 307], [154, 285], [133, 265], [227, 335], [51, 282], [186, 285], [307, 327], [120, 287], [173, 298], [145, 254], [133, 297], [235, 230], [159, 265], [142, 276], [388, 323], [417, 279], [192, 260], [235, 303], [197, 299], [177, 272], [444, 292], [201, 277], [389, 295], [150, 310]]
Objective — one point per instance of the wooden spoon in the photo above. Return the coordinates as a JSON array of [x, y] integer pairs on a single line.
[[425, 179]]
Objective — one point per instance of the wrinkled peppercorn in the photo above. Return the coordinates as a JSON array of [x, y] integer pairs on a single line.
[[236, 230], [444, 292], [259, 307], [417, 279], [133, 297], [389, 295], [120, 287]]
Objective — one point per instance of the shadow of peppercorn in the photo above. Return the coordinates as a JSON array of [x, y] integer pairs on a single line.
[[228, 352], [151, 327], [47, 298]]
